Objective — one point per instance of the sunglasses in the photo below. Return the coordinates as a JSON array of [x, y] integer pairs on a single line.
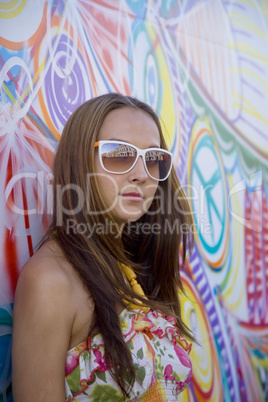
[[120, 157]]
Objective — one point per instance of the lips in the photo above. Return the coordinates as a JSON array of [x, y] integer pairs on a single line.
[[133, 196]]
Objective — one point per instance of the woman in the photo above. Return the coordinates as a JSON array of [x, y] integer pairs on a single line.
[[85, 328]]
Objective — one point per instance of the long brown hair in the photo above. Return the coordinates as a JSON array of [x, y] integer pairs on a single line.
[[153, 256]]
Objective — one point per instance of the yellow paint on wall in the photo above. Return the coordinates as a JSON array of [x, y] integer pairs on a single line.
[[250, 109], [9, 94], [11, 9], [247, 24], [248, 50], [250, 72], [168, 112]]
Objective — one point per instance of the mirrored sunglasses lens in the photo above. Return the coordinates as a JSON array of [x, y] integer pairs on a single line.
[[158, 164], [117, 158]]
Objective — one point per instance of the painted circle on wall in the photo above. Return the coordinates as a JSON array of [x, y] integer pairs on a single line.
[[206, 383], [66, 79], [208, 195], [150, 79]]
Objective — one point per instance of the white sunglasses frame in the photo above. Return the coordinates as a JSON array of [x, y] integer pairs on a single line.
[[140, 152]]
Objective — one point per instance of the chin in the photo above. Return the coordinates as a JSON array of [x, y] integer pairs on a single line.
[[128, 218]]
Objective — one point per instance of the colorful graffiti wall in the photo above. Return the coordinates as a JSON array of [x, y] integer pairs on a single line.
[[203, 65]]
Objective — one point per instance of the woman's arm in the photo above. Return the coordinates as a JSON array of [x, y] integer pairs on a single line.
[[43, 318]]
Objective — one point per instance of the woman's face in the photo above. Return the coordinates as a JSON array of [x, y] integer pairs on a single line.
[[128, 195]]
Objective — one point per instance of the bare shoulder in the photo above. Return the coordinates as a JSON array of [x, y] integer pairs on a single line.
[[43, 316], [49, 288], [45, 271], [42, 285], [44, 289]]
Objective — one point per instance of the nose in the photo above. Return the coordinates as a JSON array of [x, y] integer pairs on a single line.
[[138, 172]]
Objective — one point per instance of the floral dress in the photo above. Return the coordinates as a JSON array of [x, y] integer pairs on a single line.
[[160, 357]]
